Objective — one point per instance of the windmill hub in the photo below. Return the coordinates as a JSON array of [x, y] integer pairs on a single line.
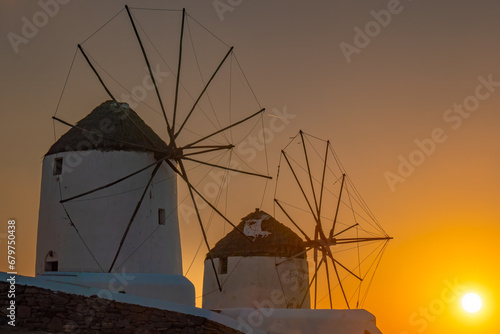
[[174, 153], [323, 243]]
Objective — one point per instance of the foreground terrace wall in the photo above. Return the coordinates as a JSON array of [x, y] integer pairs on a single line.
[[43, 309]]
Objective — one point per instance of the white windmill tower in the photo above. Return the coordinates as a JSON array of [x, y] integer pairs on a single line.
[[72, 238], [81, 237], [109, 191]]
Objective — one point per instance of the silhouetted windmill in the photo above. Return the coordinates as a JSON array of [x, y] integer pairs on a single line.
[[325, 199], [175, 153]]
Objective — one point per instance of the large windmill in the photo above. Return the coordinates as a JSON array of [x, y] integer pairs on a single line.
[[168, 158], [316, 196]]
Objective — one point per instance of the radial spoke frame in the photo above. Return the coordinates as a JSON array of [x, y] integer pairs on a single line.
[[321, 243]]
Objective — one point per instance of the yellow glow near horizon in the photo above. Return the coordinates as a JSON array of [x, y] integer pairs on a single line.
[[472, 303]]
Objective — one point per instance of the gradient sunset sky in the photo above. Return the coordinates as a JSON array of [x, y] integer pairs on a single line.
[[411, 106]]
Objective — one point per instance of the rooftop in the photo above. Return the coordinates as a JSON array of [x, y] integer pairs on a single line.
[[110, 127], [270, 238]]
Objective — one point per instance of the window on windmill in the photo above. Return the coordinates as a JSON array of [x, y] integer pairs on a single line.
[[161, 216], [58, 165], [223, 265], [51, 263]]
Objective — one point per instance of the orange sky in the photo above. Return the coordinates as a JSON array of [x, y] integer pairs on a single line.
[[396, 90]]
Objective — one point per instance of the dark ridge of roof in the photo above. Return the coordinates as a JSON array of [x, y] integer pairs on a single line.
[[123, 129], [281, 242]]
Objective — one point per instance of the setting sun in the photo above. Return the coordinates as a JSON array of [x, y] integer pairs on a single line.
[[471, 303]]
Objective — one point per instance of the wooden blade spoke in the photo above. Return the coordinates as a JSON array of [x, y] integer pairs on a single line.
[[340, 264], [309, 173], [96, 73], [192, 188], [329, 288], [323, 180], [312, 280], [111, 95], [202, 92], [302, 189], [345, 230], [218, 148], [294, 256], [185, 177], [229, 169], [178, 72], [355, 240], [340, 283], [316, 267], [113, 183], [338, 206], [208, 147], [134, 214], [149, 67], [293, 222], [226, 128]]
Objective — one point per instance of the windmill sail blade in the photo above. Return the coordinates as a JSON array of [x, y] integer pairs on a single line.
[[226, 128], [329, 288], [309, 173], [149, 66], [134, 214], [202, 92], [208, 147], [316, 268], [112, 183], [294, 256], [340, 283], [185, 178], [178, 74], [340, 264], [312, 280], [229, 169], [227, 147], [293, 222], [323, 179], [345, 230], [301, 188], [110, 94], [338, 206], [356, 240]]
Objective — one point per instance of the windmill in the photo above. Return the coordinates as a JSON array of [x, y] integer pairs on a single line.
[[175, 153], [324, 206]]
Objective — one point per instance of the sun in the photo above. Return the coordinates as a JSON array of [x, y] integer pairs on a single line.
[[471, 303]]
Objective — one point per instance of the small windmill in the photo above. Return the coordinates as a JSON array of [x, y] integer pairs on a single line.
[[175, 153], [328, 211]]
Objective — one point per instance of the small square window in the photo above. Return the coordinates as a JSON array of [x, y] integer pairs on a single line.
[[223, 265], [161, 216], [58, 166]]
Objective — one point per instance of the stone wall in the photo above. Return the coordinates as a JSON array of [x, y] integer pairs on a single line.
[[45, 310]]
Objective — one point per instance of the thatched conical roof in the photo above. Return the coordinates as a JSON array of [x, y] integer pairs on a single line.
[[270, 238], [110, 127]]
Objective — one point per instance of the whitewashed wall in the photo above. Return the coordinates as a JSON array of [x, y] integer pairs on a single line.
[[102, 217], [252, 281]]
